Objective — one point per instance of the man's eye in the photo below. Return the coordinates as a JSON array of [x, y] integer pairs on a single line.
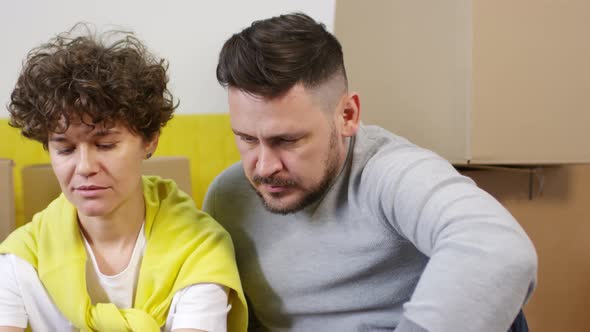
[[285, 141], [248, 139]]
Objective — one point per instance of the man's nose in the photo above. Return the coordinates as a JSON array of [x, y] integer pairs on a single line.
[[268, 162]]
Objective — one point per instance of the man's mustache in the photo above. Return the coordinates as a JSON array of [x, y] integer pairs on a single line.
[[273, 181]]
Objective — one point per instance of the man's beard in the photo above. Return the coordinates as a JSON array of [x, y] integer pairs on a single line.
[[331, 167]]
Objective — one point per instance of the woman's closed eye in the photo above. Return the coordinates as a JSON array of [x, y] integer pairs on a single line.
[[105, 146], [64, 150]]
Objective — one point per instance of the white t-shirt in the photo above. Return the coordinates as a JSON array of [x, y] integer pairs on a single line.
[[24, 299]]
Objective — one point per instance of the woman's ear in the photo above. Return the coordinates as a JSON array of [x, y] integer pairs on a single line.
[[351, 114], [150, 146]]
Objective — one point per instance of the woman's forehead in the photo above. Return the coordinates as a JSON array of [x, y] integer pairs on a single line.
[[81, 128]]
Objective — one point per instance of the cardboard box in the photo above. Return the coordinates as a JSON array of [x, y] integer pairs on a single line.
[[7, 211], [40, 186], [175, 168]]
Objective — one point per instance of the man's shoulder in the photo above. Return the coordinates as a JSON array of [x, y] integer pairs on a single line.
[[383, 158], [230, 178], [380, 145], [230, 185]]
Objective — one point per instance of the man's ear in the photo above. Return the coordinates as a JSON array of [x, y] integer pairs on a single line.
[[351, 114]]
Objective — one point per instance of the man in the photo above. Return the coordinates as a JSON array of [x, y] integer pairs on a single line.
[[354, 228]]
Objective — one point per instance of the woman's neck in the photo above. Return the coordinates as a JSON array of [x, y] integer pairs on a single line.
[[113, 237]]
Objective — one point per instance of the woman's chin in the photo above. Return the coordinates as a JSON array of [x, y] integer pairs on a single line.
[[88, 210]]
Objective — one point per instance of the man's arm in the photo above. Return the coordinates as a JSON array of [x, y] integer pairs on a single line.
[[482, 265]]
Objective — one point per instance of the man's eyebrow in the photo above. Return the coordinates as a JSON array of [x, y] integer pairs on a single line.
[[239, 133]]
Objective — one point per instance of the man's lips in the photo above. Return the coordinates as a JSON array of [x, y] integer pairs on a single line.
[[273, 185], [275, 188]]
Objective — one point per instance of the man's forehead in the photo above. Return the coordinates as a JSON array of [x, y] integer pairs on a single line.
[[239, 96], [293, 92], [270, 133]]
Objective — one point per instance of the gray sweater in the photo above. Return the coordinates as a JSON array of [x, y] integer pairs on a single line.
[[400, 238]]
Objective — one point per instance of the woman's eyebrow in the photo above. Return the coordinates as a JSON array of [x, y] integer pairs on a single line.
[[58, 139], [105, 132]]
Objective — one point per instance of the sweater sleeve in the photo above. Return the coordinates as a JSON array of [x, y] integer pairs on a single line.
[[407, 325], [482, 264]]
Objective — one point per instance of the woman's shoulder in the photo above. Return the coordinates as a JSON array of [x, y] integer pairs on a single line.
[[172, 212]]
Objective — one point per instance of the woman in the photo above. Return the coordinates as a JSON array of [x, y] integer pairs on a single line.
[[116, 251]]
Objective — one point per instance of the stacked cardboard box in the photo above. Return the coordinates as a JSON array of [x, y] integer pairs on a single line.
[[7, 215]]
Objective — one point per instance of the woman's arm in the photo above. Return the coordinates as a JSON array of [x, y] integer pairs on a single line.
[[13, 316], [201, 307]]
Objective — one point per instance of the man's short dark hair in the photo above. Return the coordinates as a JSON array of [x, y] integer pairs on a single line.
[[77, 77], [271, 56]]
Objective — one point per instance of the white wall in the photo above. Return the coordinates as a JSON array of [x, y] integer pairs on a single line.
[[189, 34]]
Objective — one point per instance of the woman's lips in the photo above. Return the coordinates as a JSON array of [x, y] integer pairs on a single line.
[[90, 187], [90, 191]]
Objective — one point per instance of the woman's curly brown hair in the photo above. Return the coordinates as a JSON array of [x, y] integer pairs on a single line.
[[81, 78]]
